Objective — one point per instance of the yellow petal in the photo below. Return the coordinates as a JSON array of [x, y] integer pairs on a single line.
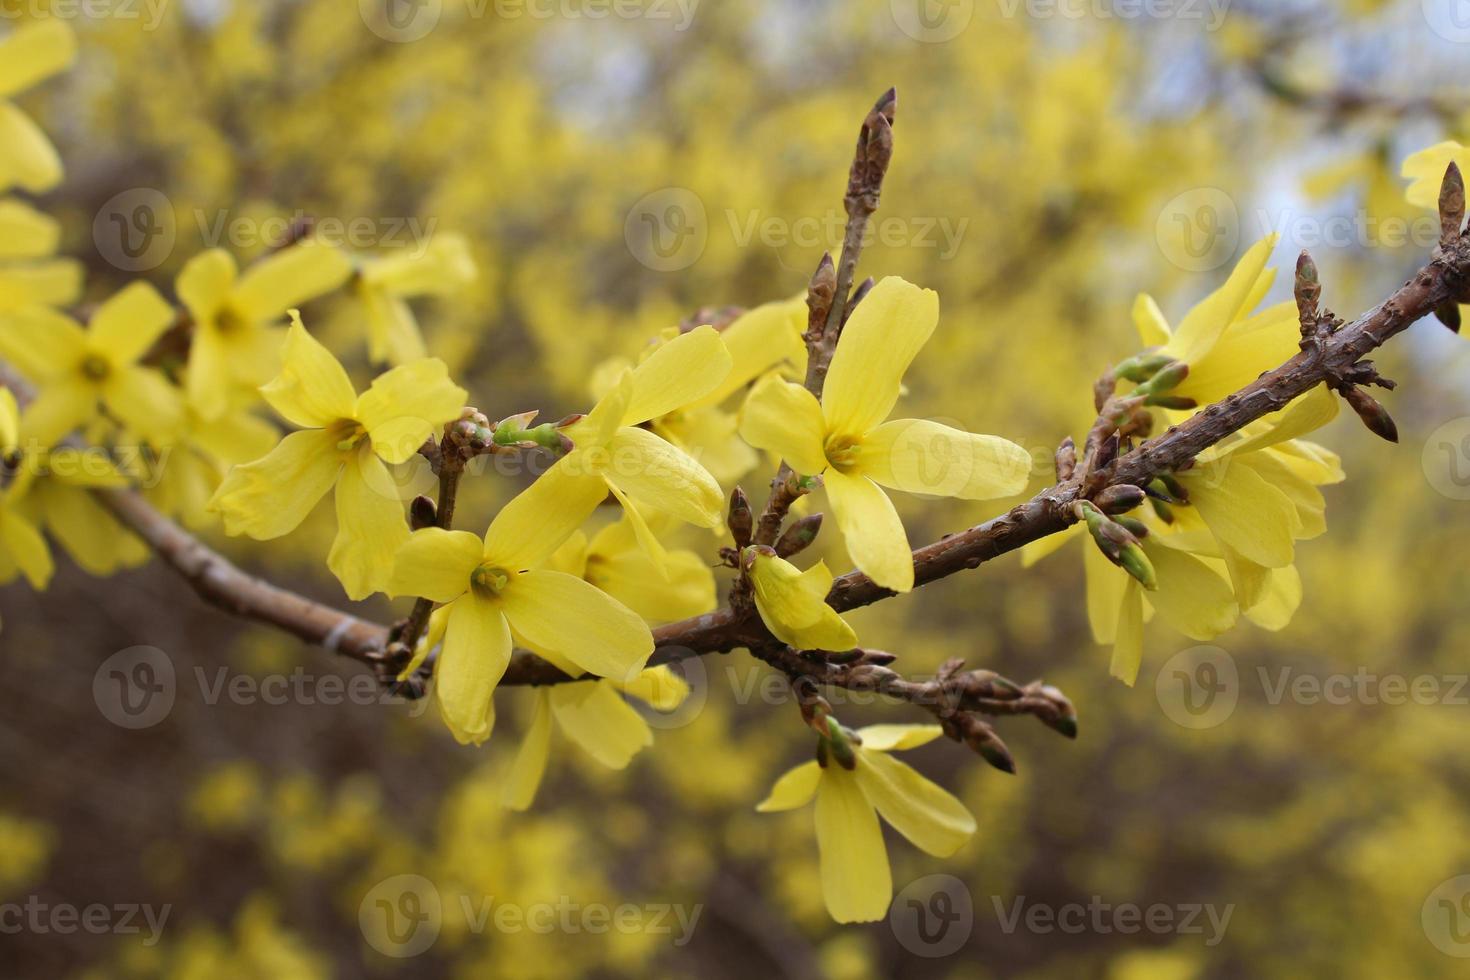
[[684, 586], [759, 339], [873, 533], [370, 526], [289, 278], [436, 564], [1128, 646], [594, 715], [29, 160], [124, 327], [54, 282], [1427, 168], [476, 651], [793, 605], [1240, 354], [442, 267], [393, 331], [1303, 416], [795, 788], [1203, 325], [653, 548], [897, 738], [89, 533], [658, 687], [930, 817], [313, 389], [660, 474], [26, 233], [679, 373], [575, 620], [25, 546], [856, 882], [535, 523], [272, 496], [919, 456], [56, 410], [1191, 597], [519, 789], [34, 52], [144, 401], [1280, 600], [1041, 547], [205, 282], [404, 406], [1250, 581], [886, 331], [1153, 329], [210, 377], [9, 421], [784, 418], [1245, 512], [42, 343], [76, 467]]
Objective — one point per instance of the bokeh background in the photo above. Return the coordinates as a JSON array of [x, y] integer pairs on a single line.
[[616, 167]]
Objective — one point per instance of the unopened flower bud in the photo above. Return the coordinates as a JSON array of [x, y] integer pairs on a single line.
[[1066, 459], [1119, 498], [1136, 563], [1167, 378], [422, 513], [799, 536], [740, 520], [1373, 414]]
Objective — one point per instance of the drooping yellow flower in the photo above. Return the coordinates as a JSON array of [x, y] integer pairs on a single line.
[[613, 454], [856, 881], [614, 561], [493, 585], [51, 489], [237, 315], [345, 441], [1225, 345], [28, 274], [793, 603], [29, 55], [386, 284], [596, 717], [79, 368], [845, 437]]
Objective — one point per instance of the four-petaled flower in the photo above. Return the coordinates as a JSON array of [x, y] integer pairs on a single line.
[[793, 603]]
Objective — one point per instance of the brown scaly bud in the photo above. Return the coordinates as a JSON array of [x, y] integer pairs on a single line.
[[819, 293], [1451, 205], [1308, 291], [1374, 415], [740, 520], [878, 658], [872, 156], [1120, 498], [983, 740], [799, 536], [1066, 459], [1108, 451], [1065, 720], [422, 513]]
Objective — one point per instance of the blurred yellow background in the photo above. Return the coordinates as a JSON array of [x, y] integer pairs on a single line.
[[617, 166]]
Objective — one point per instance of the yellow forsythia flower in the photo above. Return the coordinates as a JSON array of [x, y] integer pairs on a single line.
[[492, 586], [613, 454], [614, 562], [78, 368], [594, 715], [345, 441], [53, 490], [846, 438], [856, 881], [385, 285], [22, 549], [236, 315], [1224, 344], [29, 55], [793, 603]]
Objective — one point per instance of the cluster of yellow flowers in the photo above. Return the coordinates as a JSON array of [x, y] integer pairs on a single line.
[[666, 436]]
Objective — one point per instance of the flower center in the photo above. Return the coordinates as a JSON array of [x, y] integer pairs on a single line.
[[96, 367], [841, 452], [488, 581], [349, 433], [229, 320]]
